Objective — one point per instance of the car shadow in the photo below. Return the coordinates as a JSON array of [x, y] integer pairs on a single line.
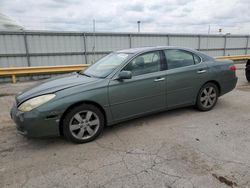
[[141, 121]]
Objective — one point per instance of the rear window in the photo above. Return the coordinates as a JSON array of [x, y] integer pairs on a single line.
[[180, 58]]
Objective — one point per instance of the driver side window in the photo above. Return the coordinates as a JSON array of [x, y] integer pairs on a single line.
[[145, 63]]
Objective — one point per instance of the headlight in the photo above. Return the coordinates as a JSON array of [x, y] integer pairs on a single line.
[[35, 102]]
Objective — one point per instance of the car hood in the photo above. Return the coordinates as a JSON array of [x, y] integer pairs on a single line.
[[54, 85]]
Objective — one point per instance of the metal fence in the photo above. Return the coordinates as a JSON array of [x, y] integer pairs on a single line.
[[36, 48]]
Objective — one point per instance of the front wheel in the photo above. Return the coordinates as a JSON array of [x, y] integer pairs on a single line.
[[207, 97], [83, 123]]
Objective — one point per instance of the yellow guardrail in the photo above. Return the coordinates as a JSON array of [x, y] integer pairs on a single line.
[[234, 57], [13, 71]]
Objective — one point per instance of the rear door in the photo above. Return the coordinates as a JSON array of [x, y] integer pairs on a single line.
[[185, 75], [144, 92]]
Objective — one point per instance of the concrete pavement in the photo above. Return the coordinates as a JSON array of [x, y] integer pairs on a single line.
[[178, 148]]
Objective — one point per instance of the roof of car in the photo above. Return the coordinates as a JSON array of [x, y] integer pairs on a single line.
[[144, 49]]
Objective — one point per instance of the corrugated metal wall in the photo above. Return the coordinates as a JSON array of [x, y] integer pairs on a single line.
[[33, 48]]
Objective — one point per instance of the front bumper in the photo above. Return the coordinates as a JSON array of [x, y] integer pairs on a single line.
[[35, 123]]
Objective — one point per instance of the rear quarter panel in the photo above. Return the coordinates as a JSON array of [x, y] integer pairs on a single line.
[[219, 70]]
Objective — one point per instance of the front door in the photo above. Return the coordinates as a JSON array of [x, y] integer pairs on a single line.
[[144, 92]]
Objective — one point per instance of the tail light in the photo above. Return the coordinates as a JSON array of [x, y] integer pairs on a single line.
[[232, 68]]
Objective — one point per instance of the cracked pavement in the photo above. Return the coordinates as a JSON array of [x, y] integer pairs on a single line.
[[178, 148]]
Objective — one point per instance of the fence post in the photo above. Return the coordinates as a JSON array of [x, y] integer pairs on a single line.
[[168, 40], [199, 42], [225, 45], [26, 48], [130, 41], [247, 44], [85, 48]]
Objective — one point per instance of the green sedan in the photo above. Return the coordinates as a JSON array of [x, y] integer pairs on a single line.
[[122, 85]]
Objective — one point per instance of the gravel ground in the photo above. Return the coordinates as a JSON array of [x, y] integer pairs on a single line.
[[178, 148]]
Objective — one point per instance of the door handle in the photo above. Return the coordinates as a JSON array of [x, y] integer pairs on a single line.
[[201, 71], [159, 79]]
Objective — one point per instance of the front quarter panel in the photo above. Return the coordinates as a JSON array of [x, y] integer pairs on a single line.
[[95, 92]]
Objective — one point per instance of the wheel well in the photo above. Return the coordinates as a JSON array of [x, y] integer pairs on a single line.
[[77, 104], [216, 83]]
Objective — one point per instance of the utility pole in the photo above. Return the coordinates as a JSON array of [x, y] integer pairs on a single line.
[[93, 25], [220, 30], [139, 22]]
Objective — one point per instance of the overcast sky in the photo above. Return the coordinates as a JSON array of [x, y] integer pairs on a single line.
[[167, 16]]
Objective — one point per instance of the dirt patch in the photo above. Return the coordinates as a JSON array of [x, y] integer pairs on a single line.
[[222, 179], [7, 94], [244, 87], [11, 149]]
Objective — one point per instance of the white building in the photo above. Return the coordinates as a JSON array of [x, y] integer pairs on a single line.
[[8, 24]]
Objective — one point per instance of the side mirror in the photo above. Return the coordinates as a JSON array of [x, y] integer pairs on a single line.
[[125, 75]]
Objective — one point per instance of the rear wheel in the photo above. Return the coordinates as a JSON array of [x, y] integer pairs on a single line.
[[207, 97], [83, 123]]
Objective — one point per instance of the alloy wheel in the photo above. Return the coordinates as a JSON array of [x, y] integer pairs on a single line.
[[83, 125], [208, 97]]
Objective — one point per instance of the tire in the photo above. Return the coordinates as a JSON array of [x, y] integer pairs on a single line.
[[207, 97], [248, 73], [83, 123]]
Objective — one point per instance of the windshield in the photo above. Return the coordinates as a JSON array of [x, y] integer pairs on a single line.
[[103, 67]]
